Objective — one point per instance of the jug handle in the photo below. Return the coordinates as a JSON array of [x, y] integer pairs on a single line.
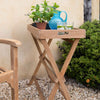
[[65, 17]]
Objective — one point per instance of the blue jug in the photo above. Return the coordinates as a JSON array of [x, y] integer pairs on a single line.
[[56, 19]]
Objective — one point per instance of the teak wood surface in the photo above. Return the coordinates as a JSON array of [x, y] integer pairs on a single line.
[[51, 34], [54, 74], [11, 76]]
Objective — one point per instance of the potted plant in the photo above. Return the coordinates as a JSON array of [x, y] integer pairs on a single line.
[[41, 14]]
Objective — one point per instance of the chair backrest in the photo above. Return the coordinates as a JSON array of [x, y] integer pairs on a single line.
[[11, 76], [13, 51]]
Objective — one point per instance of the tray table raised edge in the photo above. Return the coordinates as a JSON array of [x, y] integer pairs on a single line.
[[51, 34]]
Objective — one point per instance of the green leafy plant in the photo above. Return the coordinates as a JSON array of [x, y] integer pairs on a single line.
[[85, 64], [43, 15]]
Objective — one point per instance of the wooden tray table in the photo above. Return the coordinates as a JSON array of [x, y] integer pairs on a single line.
[[57, 76]]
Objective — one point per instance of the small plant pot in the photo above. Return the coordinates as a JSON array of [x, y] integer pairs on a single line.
[[41, 25]]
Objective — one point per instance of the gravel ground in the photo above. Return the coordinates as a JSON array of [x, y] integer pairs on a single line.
[[77, 91]]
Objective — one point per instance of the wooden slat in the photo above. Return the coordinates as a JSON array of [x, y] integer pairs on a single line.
[[79, 33], [51, 34], [48, 61], [42, 55], [35, 72], [50, 73], [58, 74], [34, 31], [53, 92], [3, 69], [10, 42], [71, 52], [5, 76], [14, 67], [39, 89]]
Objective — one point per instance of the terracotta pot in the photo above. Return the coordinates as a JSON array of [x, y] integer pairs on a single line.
[[41, 25]]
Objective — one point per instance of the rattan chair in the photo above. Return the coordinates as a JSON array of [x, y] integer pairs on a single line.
[[10, 76]]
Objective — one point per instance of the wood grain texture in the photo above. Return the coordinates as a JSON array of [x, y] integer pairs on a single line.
[[5, 76], [14, 67], [42, 56], [11, 76], [56, 70], [69, 56], [39, 89], [55, 75], [51, 34], [11, 42]]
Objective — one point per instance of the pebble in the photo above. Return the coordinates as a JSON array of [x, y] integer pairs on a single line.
[[76, 90], [98, 95]]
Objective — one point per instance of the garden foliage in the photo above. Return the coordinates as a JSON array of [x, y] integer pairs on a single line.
[[85, 64]]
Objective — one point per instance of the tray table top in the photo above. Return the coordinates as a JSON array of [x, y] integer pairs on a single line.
[[51, 34]]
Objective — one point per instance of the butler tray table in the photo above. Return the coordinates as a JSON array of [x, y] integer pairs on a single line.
[[45, 37]]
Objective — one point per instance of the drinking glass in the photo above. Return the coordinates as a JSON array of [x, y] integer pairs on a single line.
[[69, 25], [61, 26]]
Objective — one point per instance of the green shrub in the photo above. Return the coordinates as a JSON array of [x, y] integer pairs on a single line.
[[85, 64]]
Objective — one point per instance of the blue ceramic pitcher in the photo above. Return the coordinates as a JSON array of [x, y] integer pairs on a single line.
[[56, 19]]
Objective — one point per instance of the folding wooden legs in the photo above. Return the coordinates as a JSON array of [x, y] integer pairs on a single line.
[[42, 55], [57, 77], [60, 75], [60, 83]]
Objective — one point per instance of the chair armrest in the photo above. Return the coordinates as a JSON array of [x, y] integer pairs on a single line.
[[11, 42]]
